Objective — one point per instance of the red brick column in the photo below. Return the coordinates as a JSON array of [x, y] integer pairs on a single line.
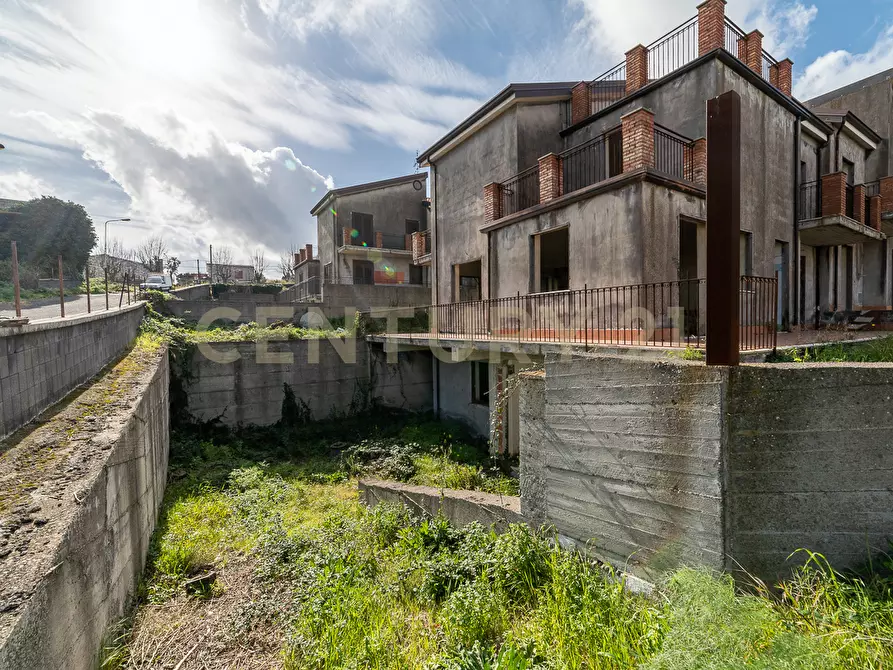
[[581, 103], [407, 242], [785, 75], [303, 255], [418, 246], [711, 25], [875, 219], [551, 177], [492, 201], [859, 203], [379, 239], [694, 156], [886, 188], [755, 51], [308, 252], [636, 68], [742, 49], [638, 139], [834, 194], [773, 75]]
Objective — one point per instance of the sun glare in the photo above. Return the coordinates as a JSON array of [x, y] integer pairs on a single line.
[[172, 38]]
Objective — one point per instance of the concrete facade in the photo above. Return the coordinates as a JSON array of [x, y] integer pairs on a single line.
[[658, 464], [243, 382], [195, 292], [60, 600], [460, 507], [41, 362]]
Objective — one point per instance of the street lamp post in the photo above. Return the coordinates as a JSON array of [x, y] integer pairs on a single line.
[[106, 243]]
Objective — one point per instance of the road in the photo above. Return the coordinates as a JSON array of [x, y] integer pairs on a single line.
[[74, 305]]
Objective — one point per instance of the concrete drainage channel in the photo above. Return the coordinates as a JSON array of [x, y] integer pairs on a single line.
[[80, 491]]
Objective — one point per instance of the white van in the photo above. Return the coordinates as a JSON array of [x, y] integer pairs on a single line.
[[156, 282]]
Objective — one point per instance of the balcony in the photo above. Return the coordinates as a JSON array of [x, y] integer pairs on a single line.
[[362, 244], [834, 213], [670, 53], [665, 314], [421, 248], [656, 148]]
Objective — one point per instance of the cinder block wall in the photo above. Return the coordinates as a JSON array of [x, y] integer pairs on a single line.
[[656, 464], [241, 383], [41, 362], [99, 546]]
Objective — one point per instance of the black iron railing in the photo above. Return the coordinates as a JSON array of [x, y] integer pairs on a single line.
[[872, 188], [673, 154], [810, 200], [593, 161], [393, 241], [664, 314], [426, 241], [731, 35], [607, 88], [675, 49], [850, 200], [521, 191], [768, 62]]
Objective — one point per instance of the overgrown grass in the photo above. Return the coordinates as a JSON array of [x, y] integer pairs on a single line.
[[879, 350], [337, 585]]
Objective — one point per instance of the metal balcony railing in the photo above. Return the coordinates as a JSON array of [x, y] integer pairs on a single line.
[[521, 191], [673, 154], [593, 161], [810, 200]]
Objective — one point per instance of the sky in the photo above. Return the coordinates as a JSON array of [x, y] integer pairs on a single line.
[[224, 121]]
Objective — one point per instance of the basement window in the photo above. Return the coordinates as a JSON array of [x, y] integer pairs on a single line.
[[480, 383]]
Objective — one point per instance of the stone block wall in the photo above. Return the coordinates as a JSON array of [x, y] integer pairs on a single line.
[[41, 362]]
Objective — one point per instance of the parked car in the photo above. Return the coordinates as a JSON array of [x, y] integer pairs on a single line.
[[156, 283]]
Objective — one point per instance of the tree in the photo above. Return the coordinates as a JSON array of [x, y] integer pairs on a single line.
[[151, 254], [112, 261], [259, 264], [172, 264], [221, 269], [46, 228], [287, 263]]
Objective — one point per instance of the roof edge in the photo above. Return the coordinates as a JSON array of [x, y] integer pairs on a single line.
[[368, 186]]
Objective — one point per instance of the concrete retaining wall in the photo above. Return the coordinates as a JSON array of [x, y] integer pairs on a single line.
[[68, 579], [43, 361], [660, 464], [376, 296], [197, 292], [241, 383], [460, 507]]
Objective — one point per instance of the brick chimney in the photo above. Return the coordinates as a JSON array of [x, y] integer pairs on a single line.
[[303, 255], [308, 252]]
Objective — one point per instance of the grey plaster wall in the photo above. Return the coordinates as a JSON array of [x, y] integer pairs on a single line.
[[809, 461], [454, 392], [849, 149], [460, 507], [97, 537], [197, 292], [326, 240], [487, 156], [616, 238], [41, 362], [538, 129], [241, 383], [368, 297]]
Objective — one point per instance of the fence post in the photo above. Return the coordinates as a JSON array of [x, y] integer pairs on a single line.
[[15, 281], [87, 275], [61, 290], [123, 286], [105, 273], [723, 226]]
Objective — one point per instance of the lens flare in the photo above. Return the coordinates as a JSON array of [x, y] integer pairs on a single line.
[[290, 164], [354, 233]]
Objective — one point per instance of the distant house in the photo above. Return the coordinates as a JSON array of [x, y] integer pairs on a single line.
[[6, 204], [231, 274], [117, 267]]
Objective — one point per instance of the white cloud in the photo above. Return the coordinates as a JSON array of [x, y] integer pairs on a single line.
[[839, 68], [21, 185]]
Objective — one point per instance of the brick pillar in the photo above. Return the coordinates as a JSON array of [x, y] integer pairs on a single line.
[[742, 49], [407, 242], [834, 194], [492, 202], [694, 157], [638, 139], [886, 188], [581, 103], [551, 177], [636, 68], [308, 249], [875, 219], [379, 239], [755, 51], [297, 258], [785, 75], [418, 246], [773, 75], [859, 203], [711, 25]]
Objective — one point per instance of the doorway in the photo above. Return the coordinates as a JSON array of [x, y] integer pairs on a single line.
[[363, 272], [848, 278], [689, 292], [467, 281], [781, 277], [553, 251]]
